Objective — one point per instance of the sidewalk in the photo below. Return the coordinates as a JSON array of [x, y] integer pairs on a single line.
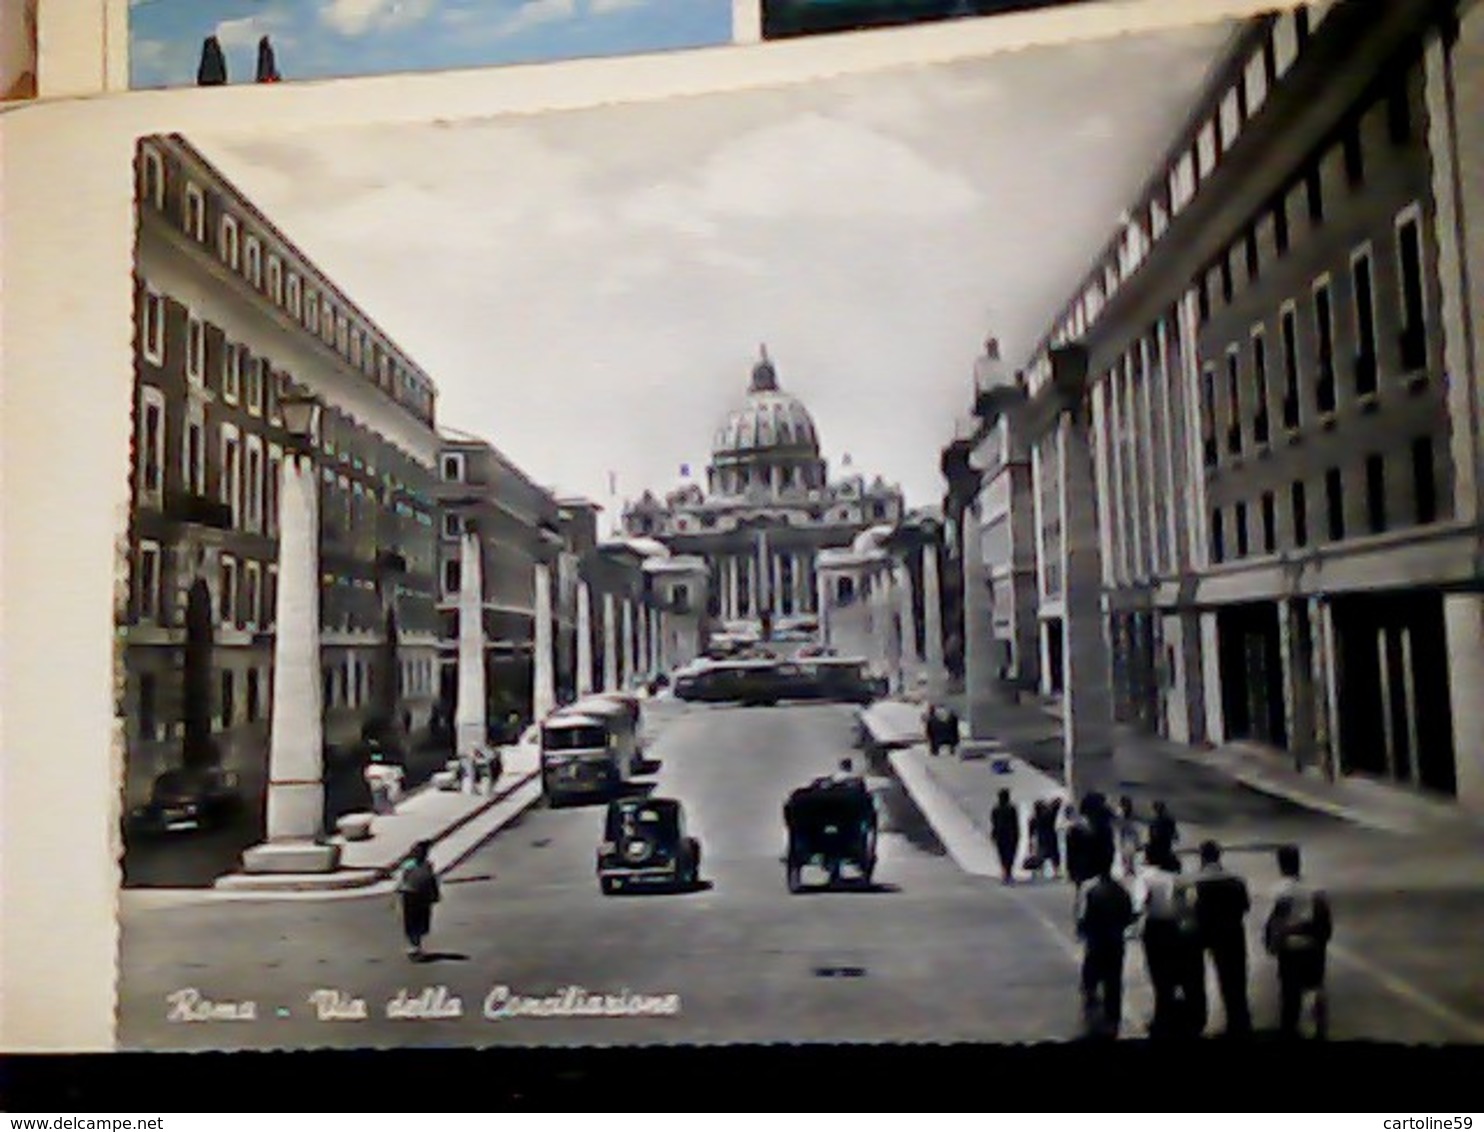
[[455, 821], [1356, 834]]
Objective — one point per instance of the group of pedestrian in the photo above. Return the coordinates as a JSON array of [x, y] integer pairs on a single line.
[[1179, 921]]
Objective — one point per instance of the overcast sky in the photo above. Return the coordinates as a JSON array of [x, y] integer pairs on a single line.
[[332, 38], [589, 289]]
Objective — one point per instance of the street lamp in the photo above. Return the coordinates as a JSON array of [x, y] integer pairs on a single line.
[[296, 787]]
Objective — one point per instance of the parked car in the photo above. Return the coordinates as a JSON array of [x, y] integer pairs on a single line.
[[188, 800], [645, 842]]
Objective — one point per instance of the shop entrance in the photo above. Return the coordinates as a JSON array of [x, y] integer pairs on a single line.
[[1396, 720]]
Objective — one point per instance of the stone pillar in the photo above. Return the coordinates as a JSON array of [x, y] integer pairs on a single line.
[[822, 606], [470, 723], [1211, 678], [584, 640], [932, 621], [1463, 620], [610, 645], [1327, 689], [981, 680], [763, 571], [1298, 684], [646, 663], [663, 657], [1087, 710], [733, 590], [800, 562], [296, 791], [543, 676], [775, 582], [883, 622], [1192, 678], [908, 633], [626, 647], [1454, 73]]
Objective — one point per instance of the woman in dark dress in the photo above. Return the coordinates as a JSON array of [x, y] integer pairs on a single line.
[[1004, 823], [417, 885]]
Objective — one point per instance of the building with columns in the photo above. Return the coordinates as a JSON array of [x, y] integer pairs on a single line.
[[519, 529], [767, 511], [1271, 383], [231, 320]]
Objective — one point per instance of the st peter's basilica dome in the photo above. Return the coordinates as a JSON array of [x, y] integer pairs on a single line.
[[769, 421]]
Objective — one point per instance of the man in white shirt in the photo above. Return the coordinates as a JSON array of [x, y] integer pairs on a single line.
[[1161, 910]]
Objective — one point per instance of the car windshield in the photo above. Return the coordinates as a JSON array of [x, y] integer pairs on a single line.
[[575, 738], [647, 818], [172, 782]]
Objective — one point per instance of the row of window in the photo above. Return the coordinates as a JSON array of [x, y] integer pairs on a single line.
[[1363, 374], [225, 715], [246, 594], [241, 250], [252, 383], [353, 684], [1378, 517], [1220, 278], [249, 475], [348, 685]]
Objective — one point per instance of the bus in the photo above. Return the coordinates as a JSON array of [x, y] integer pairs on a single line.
[[765, 682], [590, 748]]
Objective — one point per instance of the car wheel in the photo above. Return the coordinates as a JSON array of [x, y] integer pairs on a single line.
[[608, 885], [795, 882]]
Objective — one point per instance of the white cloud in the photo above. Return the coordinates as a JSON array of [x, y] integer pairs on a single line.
[[603, 7], [357, 17], [246, 32], [619, 266], [147, 53], [534, 13]]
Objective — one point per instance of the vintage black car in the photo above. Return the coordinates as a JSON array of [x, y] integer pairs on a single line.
[[645, 843], [184, 801], [831, 823]]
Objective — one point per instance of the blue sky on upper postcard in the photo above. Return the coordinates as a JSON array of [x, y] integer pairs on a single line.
[[315, 39]]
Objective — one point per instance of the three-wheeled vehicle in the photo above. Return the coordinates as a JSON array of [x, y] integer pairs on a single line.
[[831, 823], [645, 842]]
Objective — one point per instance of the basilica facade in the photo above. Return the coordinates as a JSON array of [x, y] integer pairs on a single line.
[[767, 510]]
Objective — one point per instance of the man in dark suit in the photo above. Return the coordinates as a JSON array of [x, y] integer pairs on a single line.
[[1221, 907], [1105, 911]]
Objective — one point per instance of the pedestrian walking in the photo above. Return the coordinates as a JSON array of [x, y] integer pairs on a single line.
[[1048, 837], [1221, 906], [1130, 831], [417, 886], [1297, 934], [932, 725], [1105, 912], [1004, 830], [1041, 832], [1162, 929], [1089, 840], [1103, 823], [951, 731], [1164, 835]]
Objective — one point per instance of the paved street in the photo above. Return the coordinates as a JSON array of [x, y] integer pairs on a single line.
[[933, 954]]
